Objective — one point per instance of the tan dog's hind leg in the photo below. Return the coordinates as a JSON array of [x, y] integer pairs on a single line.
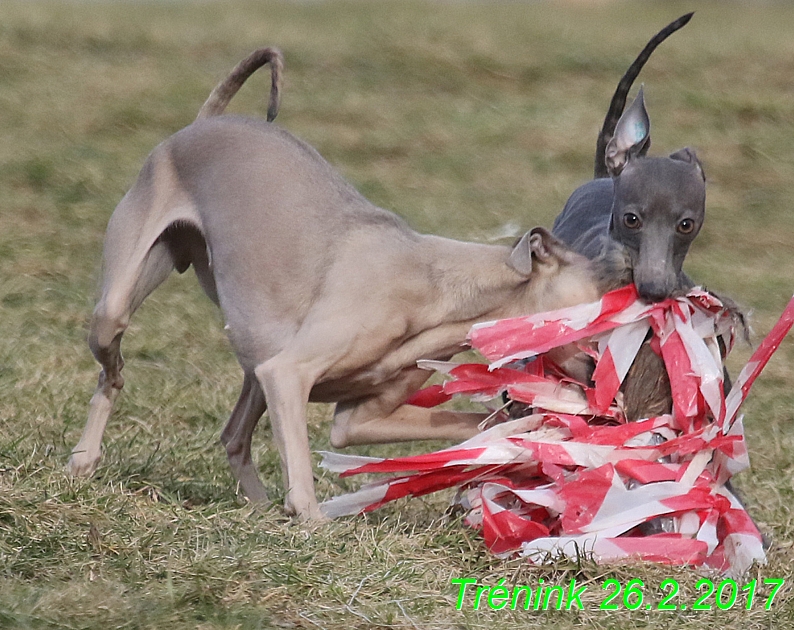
[[88, 451], [236, 437], [120, 297], [384, 418]]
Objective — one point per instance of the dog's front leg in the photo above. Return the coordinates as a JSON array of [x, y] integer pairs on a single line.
[[287, 385]]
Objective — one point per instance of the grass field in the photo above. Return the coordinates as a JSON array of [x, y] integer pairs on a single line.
[[462, 117]]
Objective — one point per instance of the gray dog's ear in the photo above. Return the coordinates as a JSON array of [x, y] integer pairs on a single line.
[[688, 155], [632, 136]]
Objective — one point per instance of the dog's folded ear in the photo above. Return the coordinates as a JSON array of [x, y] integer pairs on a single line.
[[538, 246], [520, 259], [632, 136], [688, 155]]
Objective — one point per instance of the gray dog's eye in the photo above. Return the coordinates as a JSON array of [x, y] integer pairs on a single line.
[[631, 221], [686, 226]]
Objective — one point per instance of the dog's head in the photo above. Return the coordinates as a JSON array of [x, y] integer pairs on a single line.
[[659, 203]]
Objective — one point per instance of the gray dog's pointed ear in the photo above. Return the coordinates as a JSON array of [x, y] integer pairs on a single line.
[[632, 136], [688, 155]]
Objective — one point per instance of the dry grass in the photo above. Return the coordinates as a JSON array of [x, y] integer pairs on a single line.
[[461, 117]]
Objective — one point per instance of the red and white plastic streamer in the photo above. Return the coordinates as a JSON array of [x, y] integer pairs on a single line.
[[574, 478]]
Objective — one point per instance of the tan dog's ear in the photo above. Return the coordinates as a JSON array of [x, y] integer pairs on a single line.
[[521, 257], [548, 249], [543, 246]]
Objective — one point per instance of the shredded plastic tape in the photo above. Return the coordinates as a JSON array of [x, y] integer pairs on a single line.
[[574, 478]]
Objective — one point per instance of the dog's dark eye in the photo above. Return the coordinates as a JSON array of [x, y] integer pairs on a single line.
[[686, 226], [631, 221]]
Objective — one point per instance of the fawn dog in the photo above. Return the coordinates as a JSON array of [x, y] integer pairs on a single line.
[[325, 296]]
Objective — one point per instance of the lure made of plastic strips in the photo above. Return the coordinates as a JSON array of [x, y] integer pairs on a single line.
[[574, 478]]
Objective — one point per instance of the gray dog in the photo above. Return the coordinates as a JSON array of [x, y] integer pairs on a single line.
[[651, 207], [326, 297]]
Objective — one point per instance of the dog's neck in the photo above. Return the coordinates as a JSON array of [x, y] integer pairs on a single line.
[[474, 282], [469, 280]]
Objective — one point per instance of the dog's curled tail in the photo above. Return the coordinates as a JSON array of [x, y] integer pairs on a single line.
[[226, 89], [622, 91]]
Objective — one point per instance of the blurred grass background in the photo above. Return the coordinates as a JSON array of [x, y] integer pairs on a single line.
[[472, 120]]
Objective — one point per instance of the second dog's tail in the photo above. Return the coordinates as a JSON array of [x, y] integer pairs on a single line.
[[226, 89], [619, 98]]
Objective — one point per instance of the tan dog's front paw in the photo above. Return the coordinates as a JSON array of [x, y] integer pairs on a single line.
[[82, 464], [307, 511]]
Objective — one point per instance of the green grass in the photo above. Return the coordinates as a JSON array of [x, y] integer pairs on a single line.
[[462, 117]]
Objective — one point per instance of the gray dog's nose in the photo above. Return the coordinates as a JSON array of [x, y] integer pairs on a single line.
[[654, 291]]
